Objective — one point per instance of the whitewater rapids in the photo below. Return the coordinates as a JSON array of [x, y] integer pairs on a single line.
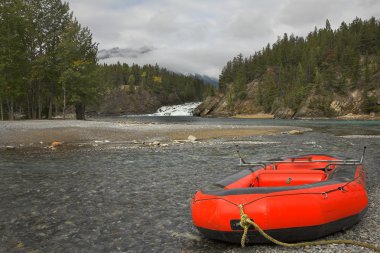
[[186, 109]]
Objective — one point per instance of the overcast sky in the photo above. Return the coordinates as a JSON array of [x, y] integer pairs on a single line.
[[200, 36]]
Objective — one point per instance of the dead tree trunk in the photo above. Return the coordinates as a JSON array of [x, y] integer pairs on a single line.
[[50, 113], [64, 102], [39, 107], [1, 109], [80, 111], [10, 109]]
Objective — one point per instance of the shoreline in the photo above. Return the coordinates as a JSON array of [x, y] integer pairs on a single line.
[[42, 133], [344, 117]]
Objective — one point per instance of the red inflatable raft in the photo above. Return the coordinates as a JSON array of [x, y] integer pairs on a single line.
[[297, 199]]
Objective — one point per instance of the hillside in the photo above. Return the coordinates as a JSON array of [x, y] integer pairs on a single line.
[[329, 73], [143, 89]]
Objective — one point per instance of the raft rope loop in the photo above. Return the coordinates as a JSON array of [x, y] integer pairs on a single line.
[[246, 222]]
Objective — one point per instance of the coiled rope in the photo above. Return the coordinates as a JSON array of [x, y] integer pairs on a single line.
[[246, 222]]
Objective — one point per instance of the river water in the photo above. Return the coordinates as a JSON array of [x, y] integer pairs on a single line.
[[136, 199]]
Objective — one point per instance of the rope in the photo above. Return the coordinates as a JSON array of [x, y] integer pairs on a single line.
[[245, 222]]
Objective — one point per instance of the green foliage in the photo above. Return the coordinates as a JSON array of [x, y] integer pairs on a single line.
[[332, 61], [13, 56], [322, 105], [48, 61], [35, 55], [78, 64], [371, 104], [159, 80], [230, 100]]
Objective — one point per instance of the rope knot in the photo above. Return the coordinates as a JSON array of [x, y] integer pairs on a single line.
[[245, 222]]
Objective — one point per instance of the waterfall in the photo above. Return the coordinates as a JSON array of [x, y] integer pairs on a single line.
[[186, 109]]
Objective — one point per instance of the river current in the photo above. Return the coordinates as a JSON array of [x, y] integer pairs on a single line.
[[136, 199]]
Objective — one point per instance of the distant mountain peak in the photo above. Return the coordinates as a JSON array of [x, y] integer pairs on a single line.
[[208, 79]]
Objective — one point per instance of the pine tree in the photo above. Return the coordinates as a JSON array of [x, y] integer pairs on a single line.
[[79, 54]]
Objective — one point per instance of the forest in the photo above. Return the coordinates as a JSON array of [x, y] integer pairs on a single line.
[[325, 64], [143, 89], [48, 65]]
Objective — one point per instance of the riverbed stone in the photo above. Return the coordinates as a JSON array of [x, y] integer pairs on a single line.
[[192, 138], [295, 132]]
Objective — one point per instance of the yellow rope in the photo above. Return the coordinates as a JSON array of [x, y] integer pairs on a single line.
[[245, 222]]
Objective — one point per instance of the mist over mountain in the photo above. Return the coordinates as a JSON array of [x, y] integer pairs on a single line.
[[208, 79], [118, 52]]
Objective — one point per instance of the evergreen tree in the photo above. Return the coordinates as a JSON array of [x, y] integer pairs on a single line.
[[79, 65], [13, 55]]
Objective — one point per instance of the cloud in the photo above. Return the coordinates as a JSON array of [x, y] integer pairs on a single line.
[[201, 36], [249, 25], [306, 12]]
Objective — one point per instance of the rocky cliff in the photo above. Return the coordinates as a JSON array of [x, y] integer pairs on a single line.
[[349, 105], [141, 101], [328, 73]]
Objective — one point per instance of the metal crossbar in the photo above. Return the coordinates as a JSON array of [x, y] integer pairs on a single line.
[[263, 164], [293, 160], [311, 161]]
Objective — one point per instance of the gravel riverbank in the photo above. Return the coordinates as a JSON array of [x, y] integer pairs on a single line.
[[40, 133]]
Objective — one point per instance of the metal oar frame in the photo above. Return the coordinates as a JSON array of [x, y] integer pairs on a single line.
[[264, 164], [307, 159]]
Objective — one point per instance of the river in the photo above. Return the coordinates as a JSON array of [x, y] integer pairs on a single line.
[[133, 199]]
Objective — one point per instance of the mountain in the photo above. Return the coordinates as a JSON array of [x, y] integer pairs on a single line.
[[208, 80], [329, 73], [135, 89], [123, 53]]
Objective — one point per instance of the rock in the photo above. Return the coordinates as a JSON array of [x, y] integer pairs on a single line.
[[10, 147], [55, 144], [156, 143], [19, 245], [188, 236], [284, 113], [179, 141], [215, 105], [69, 223], [294, 132], [192, 138]]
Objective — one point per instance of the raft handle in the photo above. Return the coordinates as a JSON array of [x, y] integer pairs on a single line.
[[362, 158]]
